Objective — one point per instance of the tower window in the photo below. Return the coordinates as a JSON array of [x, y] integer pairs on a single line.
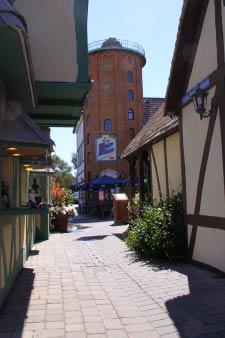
[[131, 133], [107, 125], [129, 60], [130, 95], [88, 138], [88, 101], [129, 76], [89, 157], [88, 120], [130, 114]]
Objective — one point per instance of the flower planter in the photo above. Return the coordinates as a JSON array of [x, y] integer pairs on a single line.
[[61, 223]]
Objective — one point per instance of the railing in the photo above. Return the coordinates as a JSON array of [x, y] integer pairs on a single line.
[[120, 44]]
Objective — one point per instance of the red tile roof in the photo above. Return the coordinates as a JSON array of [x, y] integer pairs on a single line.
[[151, 104]]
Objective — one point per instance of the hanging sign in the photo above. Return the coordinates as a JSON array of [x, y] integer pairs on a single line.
[[106, 148]]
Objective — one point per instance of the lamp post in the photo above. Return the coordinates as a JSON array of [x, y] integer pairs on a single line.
[[200, 103]]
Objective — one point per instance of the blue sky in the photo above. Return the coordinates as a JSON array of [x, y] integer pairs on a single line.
[[153, 25]]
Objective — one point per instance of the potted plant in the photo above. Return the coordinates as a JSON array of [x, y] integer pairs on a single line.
[[60, 211]]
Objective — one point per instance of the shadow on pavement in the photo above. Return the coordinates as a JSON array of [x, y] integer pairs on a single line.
[[14, 313], [86, 218], [201, 312], [91, 238]]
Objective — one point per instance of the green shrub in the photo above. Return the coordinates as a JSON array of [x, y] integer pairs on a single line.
[[69, 196], [159, 230], [134, 205]]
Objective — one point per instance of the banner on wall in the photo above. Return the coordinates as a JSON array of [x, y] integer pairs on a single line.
[[106, 148], [110, 172]]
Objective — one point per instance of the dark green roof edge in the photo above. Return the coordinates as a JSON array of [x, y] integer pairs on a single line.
[[24, 144], [80, 15]]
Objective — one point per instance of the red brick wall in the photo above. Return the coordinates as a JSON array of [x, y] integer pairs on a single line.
[[108, 100]]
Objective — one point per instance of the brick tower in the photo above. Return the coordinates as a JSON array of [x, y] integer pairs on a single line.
[[113, 112]]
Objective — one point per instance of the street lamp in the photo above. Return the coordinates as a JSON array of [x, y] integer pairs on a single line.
[[200, 103]]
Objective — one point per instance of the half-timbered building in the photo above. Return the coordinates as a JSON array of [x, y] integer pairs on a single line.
[[154, 156], [198, 71]]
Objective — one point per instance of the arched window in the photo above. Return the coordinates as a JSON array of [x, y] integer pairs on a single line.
[[88, 119], [89, 157], [88, 138], [130, 95], [107, 125], [88, 101], [130, 114], [129, 59], [131, 133], [129, 76]]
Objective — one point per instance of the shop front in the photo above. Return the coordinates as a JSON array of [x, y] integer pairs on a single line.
[[23, 147]]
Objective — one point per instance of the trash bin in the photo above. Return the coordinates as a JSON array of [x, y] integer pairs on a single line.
[[120, 211]]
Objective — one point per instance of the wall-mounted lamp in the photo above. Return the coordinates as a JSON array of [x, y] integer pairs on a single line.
[[16, 155], [200, 103], [11, 149]]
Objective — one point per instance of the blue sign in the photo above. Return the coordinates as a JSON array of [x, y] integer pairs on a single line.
[[204, 84]]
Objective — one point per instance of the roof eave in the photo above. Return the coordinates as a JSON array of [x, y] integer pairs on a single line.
[[184, 54]]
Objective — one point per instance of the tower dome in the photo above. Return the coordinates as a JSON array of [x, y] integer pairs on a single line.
[[111, 42]]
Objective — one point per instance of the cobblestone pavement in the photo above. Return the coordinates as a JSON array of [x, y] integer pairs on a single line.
[[88, 284]]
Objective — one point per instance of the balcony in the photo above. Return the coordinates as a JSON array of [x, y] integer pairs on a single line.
[[113, 43]]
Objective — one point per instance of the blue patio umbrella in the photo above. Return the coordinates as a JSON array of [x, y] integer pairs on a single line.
[[106, 180]]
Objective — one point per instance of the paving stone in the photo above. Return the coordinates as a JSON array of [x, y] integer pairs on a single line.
[[93, 319], [138, 327], [162, 322], [50, 333], [144, 334], [166, 329], [74, 327], [116, 334], [172, 335], [111, 324], [134, 320], [55, 317], [54, 325], [75, 334], [93, 328], [34, 319], [96, 335], [108, 314], [54, 312], [30, 327]]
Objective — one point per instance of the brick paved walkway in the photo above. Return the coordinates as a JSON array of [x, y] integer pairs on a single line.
[[87, 284]]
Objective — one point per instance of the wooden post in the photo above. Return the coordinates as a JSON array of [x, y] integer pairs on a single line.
[[132, 163], [141, 177]]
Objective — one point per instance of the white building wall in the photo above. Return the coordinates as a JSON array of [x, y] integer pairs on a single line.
[[80, 149]]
